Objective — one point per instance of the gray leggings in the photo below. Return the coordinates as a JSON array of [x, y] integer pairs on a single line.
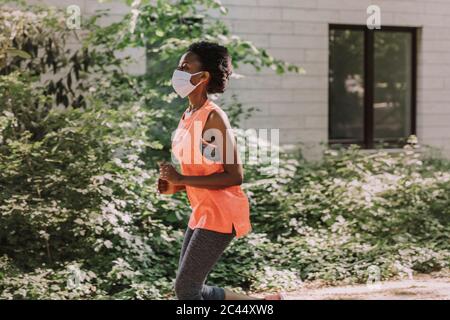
[[200, 251]]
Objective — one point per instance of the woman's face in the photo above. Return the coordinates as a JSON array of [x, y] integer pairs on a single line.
[[189, 62]]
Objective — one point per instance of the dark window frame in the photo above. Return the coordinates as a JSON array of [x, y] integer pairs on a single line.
[[368, 139]]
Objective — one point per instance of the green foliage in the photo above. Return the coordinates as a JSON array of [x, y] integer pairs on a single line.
[[81, 195], [333, 219], [38, 40]]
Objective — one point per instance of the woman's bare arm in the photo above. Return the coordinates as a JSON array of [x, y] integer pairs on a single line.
[[233, 172]]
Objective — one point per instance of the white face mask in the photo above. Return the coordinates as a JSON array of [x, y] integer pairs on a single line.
[[181, 82]]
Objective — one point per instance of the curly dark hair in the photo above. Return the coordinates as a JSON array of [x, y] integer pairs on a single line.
[[216, 60]]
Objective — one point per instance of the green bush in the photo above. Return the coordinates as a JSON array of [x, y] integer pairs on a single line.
[[82, 196], [333, 219]]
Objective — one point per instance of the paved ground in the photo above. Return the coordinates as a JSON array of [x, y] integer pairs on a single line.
[[422, 287]]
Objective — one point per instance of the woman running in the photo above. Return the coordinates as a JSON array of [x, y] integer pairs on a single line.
[[211, 173]]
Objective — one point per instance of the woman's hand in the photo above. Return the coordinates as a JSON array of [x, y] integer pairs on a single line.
[[169, 173], [165, 187]]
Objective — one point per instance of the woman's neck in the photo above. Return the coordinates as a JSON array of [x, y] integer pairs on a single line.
[[197, 101]]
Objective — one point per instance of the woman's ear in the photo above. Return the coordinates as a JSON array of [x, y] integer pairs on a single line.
[[205, 76], [201, 78]]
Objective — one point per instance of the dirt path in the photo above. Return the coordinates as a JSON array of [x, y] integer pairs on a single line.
[[434, 286]]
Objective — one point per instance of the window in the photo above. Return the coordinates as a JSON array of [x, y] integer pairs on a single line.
[[372, 80]]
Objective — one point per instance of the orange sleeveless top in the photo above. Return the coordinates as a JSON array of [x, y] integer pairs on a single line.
[[216, 210]]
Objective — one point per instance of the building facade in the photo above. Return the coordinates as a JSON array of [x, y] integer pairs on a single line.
[[360, 86]]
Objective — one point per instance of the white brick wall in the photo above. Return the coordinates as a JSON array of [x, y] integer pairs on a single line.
[[299, 103], [297, 31]]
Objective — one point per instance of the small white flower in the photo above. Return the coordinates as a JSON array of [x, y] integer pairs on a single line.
[[108, 244]]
